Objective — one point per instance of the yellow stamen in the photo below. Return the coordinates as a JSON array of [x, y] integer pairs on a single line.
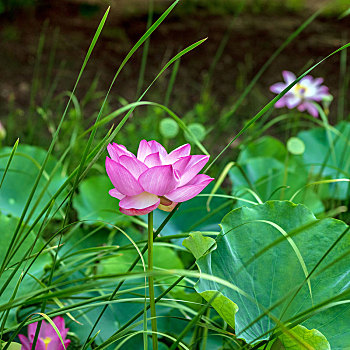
[[300, 89], [46, 341]]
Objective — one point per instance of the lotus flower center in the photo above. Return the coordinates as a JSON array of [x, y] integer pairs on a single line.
[[300, 90], [46, 341], [165, 201]]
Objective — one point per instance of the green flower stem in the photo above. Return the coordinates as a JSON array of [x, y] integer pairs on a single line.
[[151, 282]]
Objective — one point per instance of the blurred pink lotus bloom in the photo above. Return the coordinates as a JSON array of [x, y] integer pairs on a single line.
[[48, 338], [301, 95], [154, 179]]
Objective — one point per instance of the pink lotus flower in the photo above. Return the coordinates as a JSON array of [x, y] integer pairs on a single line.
[[154, 179], [48, 338], [301, 95]]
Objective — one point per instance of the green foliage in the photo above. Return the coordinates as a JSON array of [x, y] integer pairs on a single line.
[[198, 130], [13, 346], [300, 338], [93, 203], [168, 128], [26, 284], [225, 307], [266, 146], [11, 5], [265, 270], [198, 244], [295, 146], [327, 155], [164, 258], [193, 215], [20, 179], [265, 167]]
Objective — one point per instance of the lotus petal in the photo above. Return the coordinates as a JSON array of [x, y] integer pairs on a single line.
[[140, 204], [159, 180], [184, 193], [122, 179]]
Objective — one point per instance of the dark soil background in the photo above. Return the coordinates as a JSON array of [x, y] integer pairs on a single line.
[[252, 41]]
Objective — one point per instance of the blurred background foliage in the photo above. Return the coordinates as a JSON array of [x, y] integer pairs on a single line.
[[44, 42], [214, 6]]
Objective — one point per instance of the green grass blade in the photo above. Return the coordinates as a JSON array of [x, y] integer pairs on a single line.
[[342, 86], [171, 82], [145, 51], [9, 161]]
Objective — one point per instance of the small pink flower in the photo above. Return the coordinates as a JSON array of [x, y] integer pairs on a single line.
[[154, 179], [301, 95], [48, 338]]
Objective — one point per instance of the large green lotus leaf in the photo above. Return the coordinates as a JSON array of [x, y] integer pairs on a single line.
[[198, 244], [299, 336], [267, 176], [225, 307], [21, 177], [330, 148], [94, 203], [276, 274], [28, 284], [266, 146]]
